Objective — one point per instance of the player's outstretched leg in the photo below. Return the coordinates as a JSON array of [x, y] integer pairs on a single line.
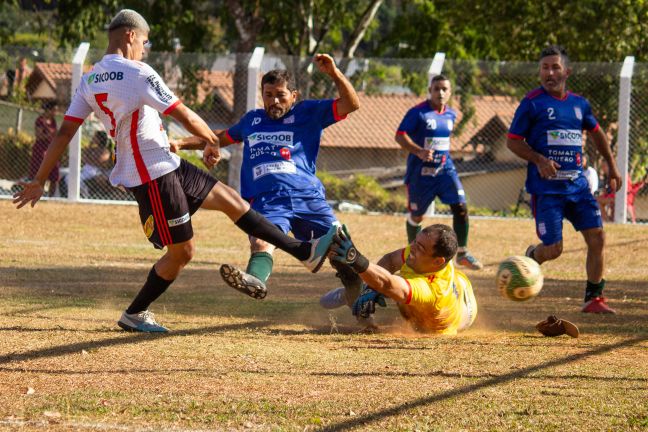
[[243, 282], [311, 254]]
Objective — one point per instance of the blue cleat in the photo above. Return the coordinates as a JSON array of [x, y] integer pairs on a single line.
[[334, 299], [320, 248], [140, 322]]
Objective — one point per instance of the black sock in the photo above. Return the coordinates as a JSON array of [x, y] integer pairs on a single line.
[[153, 288], [594, 290], [256, 225]]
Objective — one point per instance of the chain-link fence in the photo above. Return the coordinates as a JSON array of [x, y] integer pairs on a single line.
[[359, 162], [637, 199]]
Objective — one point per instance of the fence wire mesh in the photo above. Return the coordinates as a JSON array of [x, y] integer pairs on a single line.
[[359, 162], [637, 199]]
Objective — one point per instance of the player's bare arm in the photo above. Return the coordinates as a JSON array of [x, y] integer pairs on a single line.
[[407, 144], [381, 280], [197, 126], [546, 167], [603, 147], [392, 261], [348, 101], [198, 143], [33, 190]]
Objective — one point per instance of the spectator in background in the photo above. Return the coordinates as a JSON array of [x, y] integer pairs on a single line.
[[606, 198], [45, 130], [16, 78]]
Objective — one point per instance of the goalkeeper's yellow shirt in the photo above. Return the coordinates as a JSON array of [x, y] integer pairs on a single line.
[[441, 302]]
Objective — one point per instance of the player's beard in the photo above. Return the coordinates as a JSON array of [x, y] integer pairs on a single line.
[[275, 112]]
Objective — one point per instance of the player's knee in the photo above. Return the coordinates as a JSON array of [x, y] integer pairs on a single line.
[[184, 253], [596, 239], [459, 210], [416, 219]]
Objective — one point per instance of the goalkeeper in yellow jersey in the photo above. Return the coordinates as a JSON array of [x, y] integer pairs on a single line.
[[432, 295]]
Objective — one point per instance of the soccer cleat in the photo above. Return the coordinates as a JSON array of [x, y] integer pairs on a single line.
[[140, 322], [320, 248], [243, 282], [467, 260], [529, 252], [333, 299], [597, 305]]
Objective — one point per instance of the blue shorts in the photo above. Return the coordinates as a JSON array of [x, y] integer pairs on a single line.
[[305, 213], [581, 209], [445, 186]]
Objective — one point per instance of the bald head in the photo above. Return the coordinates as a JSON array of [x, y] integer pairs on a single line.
[[128, 19]]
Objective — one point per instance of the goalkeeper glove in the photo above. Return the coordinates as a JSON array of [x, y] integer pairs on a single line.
[[344, 251], [365, 304]]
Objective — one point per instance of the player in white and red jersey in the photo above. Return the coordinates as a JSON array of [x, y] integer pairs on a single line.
[[127, 95]]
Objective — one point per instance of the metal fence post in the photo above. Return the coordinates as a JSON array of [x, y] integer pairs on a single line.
[[74, 166], [435, 69], [625, 90], [19, 119], [236, 158]]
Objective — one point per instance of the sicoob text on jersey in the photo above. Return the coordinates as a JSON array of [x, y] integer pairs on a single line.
[[96, 78]]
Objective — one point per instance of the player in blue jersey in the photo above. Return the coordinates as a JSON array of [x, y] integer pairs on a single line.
[[547, 131], [280, 147], [425, 134]]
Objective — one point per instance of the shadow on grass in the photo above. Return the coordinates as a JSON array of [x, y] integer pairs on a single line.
[[292, 299], [491, 382], [123, 339], [384, 374]]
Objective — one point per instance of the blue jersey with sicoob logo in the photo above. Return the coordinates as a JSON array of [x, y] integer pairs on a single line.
[[554, 128], [431, 130], [281, 154]]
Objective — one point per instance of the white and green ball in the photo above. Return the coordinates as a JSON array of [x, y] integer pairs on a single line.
[[519, 278]]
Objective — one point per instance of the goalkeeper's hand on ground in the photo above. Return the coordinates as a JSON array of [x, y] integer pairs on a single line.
[[365, 304], [344, 251]]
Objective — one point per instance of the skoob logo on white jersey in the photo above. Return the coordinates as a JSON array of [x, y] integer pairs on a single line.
[[565, 137], [276, 138]]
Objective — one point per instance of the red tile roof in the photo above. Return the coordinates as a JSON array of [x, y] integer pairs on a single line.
[[51, 73], [374, 124]]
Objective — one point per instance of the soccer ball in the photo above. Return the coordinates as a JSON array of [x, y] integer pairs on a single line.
[[519, 278]]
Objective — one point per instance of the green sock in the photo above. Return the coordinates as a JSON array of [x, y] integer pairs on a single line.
[[260, 265], [412, 231], [461, 229], [594, 290]]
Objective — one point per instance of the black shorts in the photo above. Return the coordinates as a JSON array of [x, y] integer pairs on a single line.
[[167, 203]]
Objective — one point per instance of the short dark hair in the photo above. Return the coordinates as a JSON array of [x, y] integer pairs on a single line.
[[279, 76], [439, 77], [553, 50], [446, 244], [102, 138]]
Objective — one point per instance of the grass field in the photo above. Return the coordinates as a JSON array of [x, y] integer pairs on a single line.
[[234, 363]]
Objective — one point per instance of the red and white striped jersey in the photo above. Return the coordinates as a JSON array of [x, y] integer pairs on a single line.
[[126, 96]]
